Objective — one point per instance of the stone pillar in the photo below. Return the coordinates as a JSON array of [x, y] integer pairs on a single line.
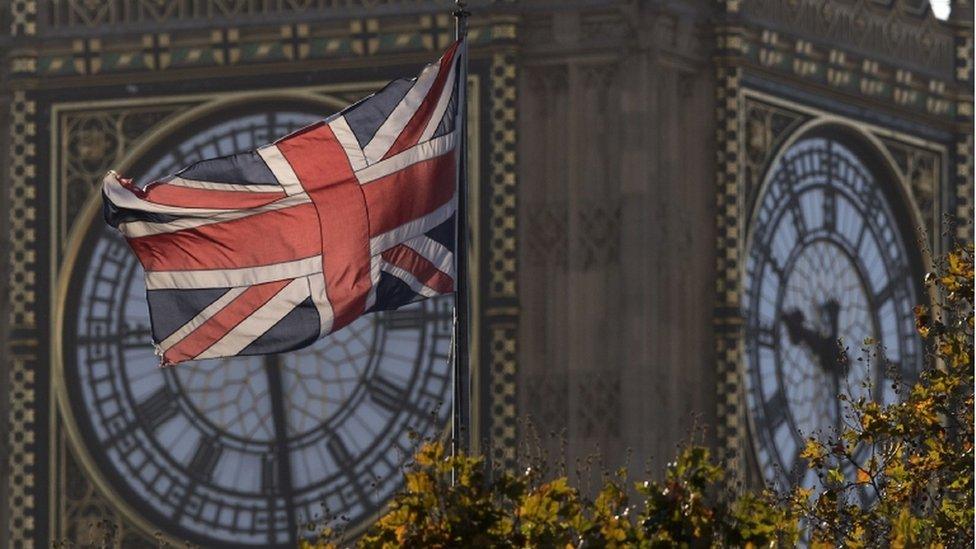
[[617, 265]]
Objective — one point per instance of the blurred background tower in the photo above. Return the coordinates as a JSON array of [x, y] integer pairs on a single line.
[[679, 207]]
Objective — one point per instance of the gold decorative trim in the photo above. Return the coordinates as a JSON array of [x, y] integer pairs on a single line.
[[885, 30], [503, 210], [727, 322], [964, 188], [503, 351], [23, 17], [71, 14], [21, 284], [894, 62], [21, 459], [150, 52], [501, 258]]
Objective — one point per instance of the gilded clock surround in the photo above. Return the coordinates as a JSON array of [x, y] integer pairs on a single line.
[[761, 128], [917, 167], [907, 193]]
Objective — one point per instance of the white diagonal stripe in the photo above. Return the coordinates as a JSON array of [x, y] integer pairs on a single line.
[[316, 287], [443, 101], [343, 133], [226, 278], [418, 153], [281, 169], [135, 229], [409, 279], [201, 317], [259, 322], [374, 277], [218, 186], [380, 243], [433, 251], [124, 198], [387, 134]]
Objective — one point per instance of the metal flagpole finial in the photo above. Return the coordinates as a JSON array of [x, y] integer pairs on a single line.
[[461, 15]]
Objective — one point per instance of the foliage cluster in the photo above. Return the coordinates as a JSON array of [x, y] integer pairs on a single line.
[[897, 474], [902, 473], [451, 501]]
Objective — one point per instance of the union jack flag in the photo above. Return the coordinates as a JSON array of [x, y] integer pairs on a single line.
[[268, 250]]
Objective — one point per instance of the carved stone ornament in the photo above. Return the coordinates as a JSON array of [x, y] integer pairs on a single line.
[[921, 169], [598, 411], [765, 127], [94, 143], [900, 31], [94, 13], [598, 236], [596, 240], [546, 402], [89, 519], [546, 237]]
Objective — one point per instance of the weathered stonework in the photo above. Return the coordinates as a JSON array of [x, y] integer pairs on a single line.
[[628, 142]]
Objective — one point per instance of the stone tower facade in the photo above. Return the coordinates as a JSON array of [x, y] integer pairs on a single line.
[[625, 160]]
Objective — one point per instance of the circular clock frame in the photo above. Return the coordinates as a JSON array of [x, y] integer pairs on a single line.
[[904, 215], [81, 235]]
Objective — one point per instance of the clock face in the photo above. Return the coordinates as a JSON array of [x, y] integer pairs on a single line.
[[245, 451], [826, 262]]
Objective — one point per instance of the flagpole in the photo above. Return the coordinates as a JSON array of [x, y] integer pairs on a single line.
[[459, 418]]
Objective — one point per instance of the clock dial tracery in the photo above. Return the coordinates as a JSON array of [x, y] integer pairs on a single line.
[[826, 265], [242, 451]]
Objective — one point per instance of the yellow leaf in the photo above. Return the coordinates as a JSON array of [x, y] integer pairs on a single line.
[[863, 477], [813, 451]]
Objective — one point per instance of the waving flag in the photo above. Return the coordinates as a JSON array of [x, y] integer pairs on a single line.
[[267, 251]]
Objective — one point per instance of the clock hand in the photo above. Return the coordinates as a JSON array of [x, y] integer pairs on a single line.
[[832, 309], [832, 345], [797, 330], [800, 335], [824, 348]]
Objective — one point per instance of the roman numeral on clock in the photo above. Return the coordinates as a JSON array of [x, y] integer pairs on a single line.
[[830, 208], [158, 408], [393, 398], [388, 395], [135, 336], [344, 459], [340, 452], [799, 220], [269, 473], [205, 458], [413, 318], [766, 336]]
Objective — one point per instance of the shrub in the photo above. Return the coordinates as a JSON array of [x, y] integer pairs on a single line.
[[898, 474]]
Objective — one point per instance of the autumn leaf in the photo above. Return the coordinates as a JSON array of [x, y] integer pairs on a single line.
[[863, 477]]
